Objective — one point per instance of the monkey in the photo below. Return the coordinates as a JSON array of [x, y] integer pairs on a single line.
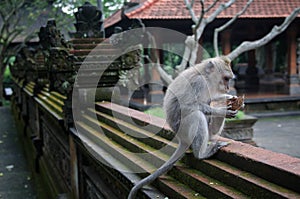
[[187, 104]]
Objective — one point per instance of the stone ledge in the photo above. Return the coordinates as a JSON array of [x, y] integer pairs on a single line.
[[275, 167]]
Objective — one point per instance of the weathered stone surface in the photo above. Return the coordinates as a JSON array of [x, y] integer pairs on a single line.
[[15, 178]]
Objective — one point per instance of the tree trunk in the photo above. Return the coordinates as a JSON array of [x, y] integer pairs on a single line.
[[1, 90], [2, 70]]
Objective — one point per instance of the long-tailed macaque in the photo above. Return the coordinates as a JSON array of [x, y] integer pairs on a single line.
[[189, 113]]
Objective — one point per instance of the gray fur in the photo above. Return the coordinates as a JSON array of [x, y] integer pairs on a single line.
[[189, 114]]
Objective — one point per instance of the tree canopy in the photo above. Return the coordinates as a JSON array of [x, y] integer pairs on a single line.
[[20, 20], [108, 6]]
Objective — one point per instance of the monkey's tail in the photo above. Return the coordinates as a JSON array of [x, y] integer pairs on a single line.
[[161, 170]]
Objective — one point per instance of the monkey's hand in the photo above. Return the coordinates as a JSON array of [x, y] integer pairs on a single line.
[[230, 113], [236, 103], [230, 97]]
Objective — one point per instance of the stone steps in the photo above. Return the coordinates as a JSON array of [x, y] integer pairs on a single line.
[[98, 52], [87, 40], [247, 183], [118, 145], [190, 178]]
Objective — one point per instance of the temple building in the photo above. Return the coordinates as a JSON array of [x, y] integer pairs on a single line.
[[270, 69]]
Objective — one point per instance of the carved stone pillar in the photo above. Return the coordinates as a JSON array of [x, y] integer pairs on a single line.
[[293, 87]]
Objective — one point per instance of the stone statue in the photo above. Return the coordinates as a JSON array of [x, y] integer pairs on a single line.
[[88, 21]]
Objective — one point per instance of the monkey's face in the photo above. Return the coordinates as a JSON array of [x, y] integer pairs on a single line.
[[218, 73], [225, 75], [226, 78]]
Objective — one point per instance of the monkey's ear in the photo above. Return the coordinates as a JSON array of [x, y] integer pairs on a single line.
[[210, 67], [226, 60]]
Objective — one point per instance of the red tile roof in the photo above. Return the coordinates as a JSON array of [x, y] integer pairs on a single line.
[[114, 18], [176, 9]]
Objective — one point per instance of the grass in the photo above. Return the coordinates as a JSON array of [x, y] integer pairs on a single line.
[[157, 111], [5, 103]]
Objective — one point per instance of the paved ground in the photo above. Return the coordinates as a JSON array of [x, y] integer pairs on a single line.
[[279, 134], [15, 178]]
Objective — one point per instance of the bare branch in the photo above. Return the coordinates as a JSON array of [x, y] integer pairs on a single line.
[[200, 19], [220, 9], [276, 30], [187, 56], [5, 30], [165, 76], [13, 11], [14, 34], [189, 6], [212, 17], [192, 3], [217, 30], [211, 6]]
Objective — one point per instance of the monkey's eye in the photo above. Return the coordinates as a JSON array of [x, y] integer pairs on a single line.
[[226, 79]]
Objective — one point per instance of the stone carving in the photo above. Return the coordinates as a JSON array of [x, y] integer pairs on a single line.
[[131, 61], [88, 21], [60, 60], [50, 36], [24, 64], [125, 39], [55, 150], [61, 70]]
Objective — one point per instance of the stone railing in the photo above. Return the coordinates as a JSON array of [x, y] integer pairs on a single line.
[[86, 163], [73, 159]]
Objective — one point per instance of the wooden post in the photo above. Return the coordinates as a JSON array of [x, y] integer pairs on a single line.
[[269, 58], [252, 78], [226, 44], [74, 167], [292, 51], [293, 87]]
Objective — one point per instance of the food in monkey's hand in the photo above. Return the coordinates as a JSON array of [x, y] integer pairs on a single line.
[[236, 103]]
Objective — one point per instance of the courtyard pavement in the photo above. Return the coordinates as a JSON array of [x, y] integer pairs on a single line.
[[15, 178], [279, 134]]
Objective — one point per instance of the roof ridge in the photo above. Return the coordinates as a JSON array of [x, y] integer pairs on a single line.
[[145, 5]]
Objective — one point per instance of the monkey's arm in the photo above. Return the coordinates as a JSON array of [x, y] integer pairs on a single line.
[[217, 111], [223, 97]]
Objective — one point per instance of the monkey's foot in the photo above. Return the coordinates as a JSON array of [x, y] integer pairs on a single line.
[[222, 144], [214, 150]]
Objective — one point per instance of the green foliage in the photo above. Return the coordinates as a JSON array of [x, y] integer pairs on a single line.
[[7, 76], [109, 7], [157, 111], [70, 6], [170, 59], [208, 50], [239, 115]]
